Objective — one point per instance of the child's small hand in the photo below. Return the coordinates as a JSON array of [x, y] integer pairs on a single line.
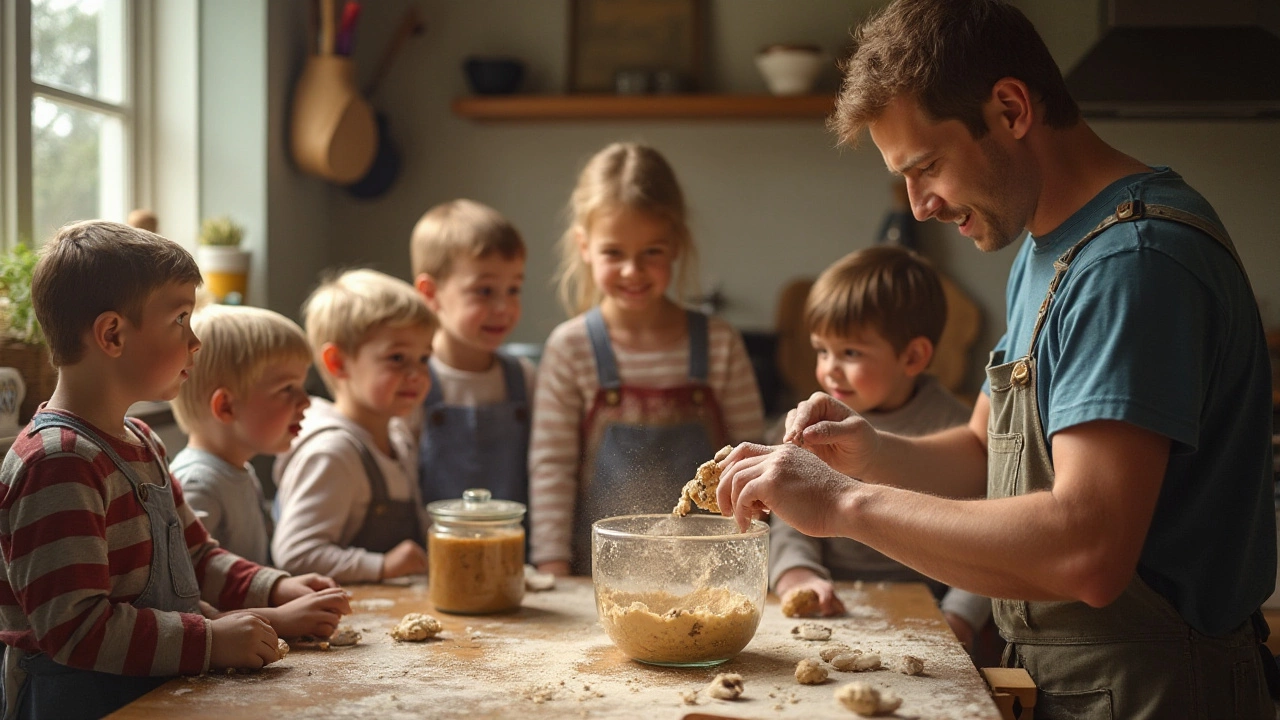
[[406, 558], [315, 614], [801, 577], [242, 640], [292, 588], [559, 568]]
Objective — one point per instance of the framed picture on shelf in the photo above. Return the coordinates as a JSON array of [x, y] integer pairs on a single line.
[[635, 46]]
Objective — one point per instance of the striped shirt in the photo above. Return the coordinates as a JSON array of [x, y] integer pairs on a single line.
[[76, 546], [567, 384]]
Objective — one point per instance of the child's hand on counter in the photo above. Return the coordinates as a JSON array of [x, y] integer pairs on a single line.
[[315, 614], [799, 578], [559, 568], [406, 558]]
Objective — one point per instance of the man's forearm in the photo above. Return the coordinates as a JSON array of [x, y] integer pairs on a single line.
[[952, 463]]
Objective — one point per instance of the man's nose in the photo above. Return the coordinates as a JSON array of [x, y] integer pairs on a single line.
[[924, 204]]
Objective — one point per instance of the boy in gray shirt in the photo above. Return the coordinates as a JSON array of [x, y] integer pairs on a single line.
[[874, 318], [245, 397]]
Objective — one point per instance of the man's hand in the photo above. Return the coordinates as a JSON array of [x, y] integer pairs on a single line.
[[839, 436], [787, 480], [559, 568], [803, 578], [292, 588], [406, 558], [316, 614], [242, 640]]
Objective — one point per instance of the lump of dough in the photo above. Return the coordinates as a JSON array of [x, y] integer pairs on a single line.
[[801, 602], [344, 635], [810, 672], [866, 700], [701, 490], [725, 686], [812, 631], [910, 665], [416, 627], [282, 648], [833, 650], [856, 661]]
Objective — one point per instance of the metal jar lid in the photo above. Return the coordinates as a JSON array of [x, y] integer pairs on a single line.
[[476, 505]]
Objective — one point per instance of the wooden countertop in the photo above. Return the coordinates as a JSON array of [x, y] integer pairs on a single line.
[[553, 660]]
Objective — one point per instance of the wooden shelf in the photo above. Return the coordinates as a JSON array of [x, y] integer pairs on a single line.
[[642, 107]]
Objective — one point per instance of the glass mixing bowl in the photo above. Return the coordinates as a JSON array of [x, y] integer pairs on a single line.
[[679, 591]]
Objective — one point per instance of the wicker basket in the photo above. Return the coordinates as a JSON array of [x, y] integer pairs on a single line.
[[32, 361]]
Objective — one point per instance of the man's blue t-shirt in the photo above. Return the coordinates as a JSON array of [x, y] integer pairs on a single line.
[[1154, 324]]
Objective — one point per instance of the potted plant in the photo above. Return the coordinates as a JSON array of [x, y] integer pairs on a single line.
[[22, 343], [224, 264]]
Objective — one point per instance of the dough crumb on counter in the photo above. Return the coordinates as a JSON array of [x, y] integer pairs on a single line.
[[866, 700], [910, 665], [345, 635], [811, 631], [810, 672], [416, 627], [726, 686]]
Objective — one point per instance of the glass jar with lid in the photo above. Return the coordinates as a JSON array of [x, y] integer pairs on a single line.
[[475, 554]]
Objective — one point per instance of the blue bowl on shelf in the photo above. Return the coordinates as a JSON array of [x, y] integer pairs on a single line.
[[494, 76]]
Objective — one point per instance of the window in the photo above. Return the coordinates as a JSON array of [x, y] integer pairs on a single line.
[[72, 146]]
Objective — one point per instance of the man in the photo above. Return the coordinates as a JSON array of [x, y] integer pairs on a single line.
[[1122, 439]]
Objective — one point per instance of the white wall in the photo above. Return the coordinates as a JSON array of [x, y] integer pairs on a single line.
[[771, 199]]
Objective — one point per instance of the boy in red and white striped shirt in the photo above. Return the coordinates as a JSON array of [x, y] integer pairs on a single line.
[[104, 566]]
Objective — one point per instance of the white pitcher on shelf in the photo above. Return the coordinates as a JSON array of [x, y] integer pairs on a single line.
[[12, 392]]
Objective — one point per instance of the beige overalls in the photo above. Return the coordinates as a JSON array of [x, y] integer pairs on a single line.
[[1137, 657]]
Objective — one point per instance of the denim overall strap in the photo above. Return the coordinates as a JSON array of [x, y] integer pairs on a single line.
[[387, 522], [1136, 657], [640, 445], [54, 690], [477, 446]]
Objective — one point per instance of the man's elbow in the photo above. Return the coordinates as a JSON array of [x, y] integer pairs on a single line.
[[1098, 579]]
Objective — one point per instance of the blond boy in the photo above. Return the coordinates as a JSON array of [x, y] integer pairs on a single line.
[[244, 398], [468, 265], [347, 492], [98, 607], [875, 317]]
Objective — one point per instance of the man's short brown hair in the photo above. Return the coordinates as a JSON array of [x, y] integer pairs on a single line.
[[885, 288], [460, 228], [96, 266], [947, 55]]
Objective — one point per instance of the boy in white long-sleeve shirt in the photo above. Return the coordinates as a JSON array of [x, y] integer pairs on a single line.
[[348, 497]]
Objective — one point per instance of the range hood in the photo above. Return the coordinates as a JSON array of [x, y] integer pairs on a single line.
[[1182, 59]]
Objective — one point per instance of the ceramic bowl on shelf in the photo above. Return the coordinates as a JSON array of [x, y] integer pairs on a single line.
[[494, 75], [790, 69], [679, 591]]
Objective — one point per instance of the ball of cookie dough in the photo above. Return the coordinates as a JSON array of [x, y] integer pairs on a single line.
[[801, 602], [812, 631], [282, 648], [810, 672], [910, 665], [416, 627], [866, 700], [343, 636], [725, 686]]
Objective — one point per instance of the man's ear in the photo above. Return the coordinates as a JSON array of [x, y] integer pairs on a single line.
[[916, 355], [108, 333], [221, 405], [334, 360], [1011, 107], [429, 289]]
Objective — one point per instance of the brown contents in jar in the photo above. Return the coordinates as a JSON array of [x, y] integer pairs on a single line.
[[476, 574]]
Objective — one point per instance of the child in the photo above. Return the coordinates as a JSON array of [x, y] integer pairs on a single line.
[[636, 392], [468, 265], [874, 318], [104, 566], [244, 398], [348, 502]]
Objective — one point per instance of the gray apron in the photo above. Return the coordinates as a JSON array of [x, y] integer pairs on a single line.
[[1137, 657], [387, 522], [54, 690], [476, 446], [641, 445]]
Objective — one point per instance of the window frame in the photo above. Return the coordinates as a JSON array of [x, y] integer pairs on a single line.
[[18, 90]]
